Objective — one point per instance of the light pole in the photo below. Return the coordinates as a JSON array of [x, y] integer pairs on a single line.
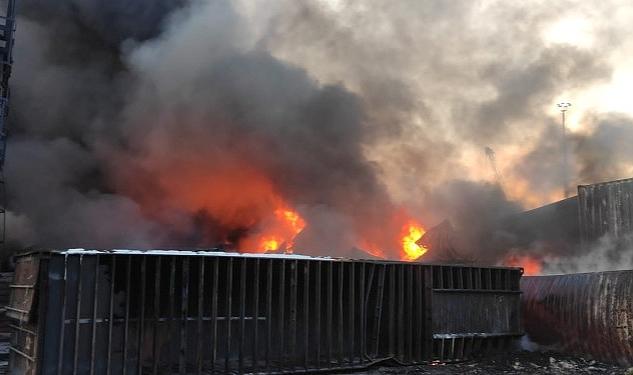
[[563, 107]]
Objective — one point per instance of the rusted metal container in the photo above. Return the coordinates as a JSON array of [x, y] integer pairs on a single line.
[[605, 208], [584, 314], [555, 224], [193, 312]]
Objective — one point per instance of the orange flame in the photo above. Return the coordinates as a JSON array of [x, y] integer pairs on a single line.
[[531, 266], [252, 216], [269, 244], [411, 233], [372, 249], [395, 236], [277, 233]]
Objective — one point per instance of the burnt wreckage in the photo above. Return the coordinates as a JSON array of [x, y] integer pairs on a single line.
[[165, 312], [586, 313], [156, 312]]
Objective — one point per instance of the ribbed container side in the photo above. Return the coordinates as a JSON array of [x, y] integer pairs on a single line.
[[605, 209], [134, 312], [583, 314]]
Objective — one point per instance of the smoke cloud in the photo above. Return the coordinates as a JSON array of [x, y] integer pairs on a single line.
[[606, 253], [181, 123], [150, 144]]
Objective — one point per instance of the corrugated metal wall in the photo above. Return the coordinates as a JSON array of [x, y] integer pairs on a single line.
[[605, 208], [555, 225], [584, 314], [103, 313]]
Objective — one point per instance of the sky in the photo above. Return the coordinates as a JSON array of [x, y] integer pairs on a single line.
[[493, 68]]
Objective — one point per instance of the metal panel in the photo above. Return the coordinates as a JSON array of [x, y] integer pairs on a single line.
[[134, 313], [605, 209], [555, 224], [26, 311], [22, 295], [7, 31], [474, 309], [585, 314]]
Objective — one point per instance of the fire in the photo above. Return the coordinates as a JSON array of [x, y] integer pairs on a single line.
[[269, 244], [288, 224], [394, 236], [295, 221], [412, 232], [531, 266], [372, 250], [222, 199], [275, 233]]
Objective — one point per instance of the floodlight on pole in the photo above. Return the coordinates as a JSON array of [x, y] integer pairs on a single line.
[[564, 107]]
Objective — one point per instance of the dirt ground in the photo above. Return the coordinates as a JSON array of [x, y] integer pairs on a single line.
[[520, 362]]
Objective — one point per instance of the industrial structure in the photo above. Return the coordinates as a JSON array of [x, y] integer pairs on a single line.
[[606, 209], [492, 159], [586, 314], [598, 211], [7, 29], [137, 312], [192, 312], [564, 107]]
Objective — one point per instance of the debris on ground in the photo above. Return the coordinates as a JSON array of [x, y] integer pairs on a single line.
[[522, 362]]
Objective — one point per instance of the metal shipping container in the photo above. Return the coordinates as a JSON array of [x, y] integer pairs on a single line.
[[605, 208], [555, 225], [192, 312], [584, 314]]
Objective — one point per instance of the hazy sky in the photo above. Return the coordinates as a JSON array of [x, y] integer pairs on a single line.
[[462, 75]]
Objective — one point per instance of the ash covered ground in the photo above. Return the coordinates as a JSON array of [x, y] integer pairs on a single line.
[[521, 362]]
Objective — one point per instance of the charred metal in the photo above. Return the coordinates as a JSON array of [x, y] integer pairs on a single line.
[[98, 312], [581, 314]]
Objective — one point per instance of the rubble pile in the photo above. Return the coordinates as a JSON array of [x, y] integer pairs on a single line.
[[510, 363]]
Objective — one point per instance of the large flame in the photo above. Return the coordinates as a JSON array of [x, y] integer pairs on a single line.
[[411, 233], [224, 200], [396, 236], [280, 235]]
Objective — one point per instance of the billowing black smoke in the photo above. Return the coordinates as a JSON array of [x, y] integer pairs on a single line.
[[110, 115], [68, 88], [604, 153], [350, 111]]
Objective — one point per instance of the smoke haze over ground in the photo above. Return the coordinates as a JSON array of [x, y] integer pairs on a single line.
[[182, 123]]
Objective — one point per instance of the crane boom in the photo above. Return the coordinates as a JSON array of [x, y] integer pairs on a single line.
[[490, 154]]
